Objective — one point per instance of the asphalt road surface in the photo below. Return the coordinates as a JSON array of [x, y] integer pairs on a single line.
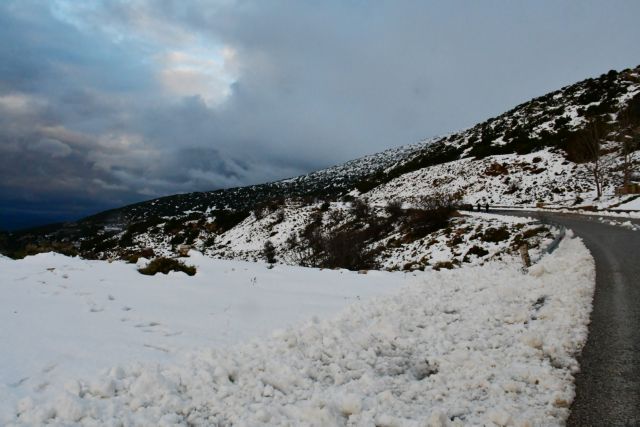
[[608, 386]]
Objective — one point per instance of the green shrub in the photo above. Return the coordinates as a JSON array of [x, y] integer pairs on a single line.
[[165, 265]]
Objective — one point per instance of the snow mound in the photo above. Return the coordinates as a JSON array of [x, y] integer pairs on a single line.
[[480, 345], [630, 205]]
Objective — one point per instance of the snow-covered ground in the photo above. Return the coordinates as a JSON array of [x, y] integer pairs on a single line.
[[599, 213], [64, 317], [94, 343]]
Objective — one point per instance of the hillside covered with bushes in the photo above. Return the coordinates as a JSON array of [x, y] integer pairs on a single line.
[[544, 151]]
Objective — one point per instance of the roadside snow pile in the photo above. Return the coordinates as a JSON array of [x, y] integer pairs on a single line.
[[626, 224], [633, 204], [482, 345]]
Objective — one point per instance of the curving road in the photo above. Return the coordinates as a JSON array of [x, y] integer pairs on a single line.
[[608, 387]]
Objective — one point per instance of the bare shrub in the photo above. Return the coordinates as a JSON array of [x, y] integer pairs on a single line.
[[165, 265], [431, 214]]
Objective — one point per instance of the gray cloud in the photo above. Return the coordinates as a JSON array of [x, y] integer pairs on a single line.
[[52, 147], [112, 102]]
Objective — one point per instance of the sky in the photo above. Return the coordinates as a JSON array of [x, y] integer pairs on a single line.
[[105, 103]]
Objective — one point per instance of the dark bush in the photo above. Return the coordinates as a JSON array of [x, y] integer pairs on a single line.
[[178, 239], [126, 239], [477, 250], [448, 265], [190, 235], [339, 248], [269, 252], [133, 257], [99, 243], [360, 208], [394, 209], [495, 234], [346, 249], [432, 214], [279, 217], [292, 241], [64, 248], [165, 265], [227, 219], [172, 226]]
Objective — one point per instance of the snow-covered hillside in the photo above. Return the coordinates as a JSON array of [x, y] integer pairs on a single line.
[[525, 180], [466, 238], [96, 343], [537, 152]]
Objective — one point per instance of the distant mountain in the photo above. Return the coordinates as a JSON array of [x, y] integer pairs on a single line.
[[533, 153]]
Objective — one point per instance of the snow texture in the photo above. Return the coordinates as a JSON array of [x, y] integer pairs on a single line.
[[483, 345]]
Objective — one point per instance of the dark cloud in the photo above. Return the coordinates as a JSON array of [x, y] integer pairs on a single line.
[[104, 103]]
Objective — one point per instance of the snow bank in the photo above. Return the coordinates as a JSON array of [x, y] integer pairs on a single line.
[[473, 346]]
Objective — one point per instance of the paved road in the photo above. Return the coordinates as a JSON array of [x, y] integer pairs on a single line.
[[608, 387]]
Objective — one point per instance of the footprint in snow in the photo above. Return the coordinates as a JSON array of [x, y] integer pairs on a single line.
[[155, 347], [49, 368], [146, 325], [42, 386], [19, 382], [125, 308], [111, 298]]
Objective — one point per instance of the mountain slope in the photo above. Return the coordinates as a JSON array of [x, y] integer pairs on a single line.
[[533, 153]]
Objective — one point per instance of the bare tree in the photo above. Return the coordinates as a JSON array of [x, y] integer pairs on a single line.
[[591, 147], [630, 141]]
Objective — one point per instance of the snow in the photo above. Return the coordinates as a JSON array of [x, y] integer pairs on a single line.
[[626, 224], [455, 247], [631, 205], [613, 213], [66, 317], [483, 345], [511, 180], [505, 180], [500, 217]]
